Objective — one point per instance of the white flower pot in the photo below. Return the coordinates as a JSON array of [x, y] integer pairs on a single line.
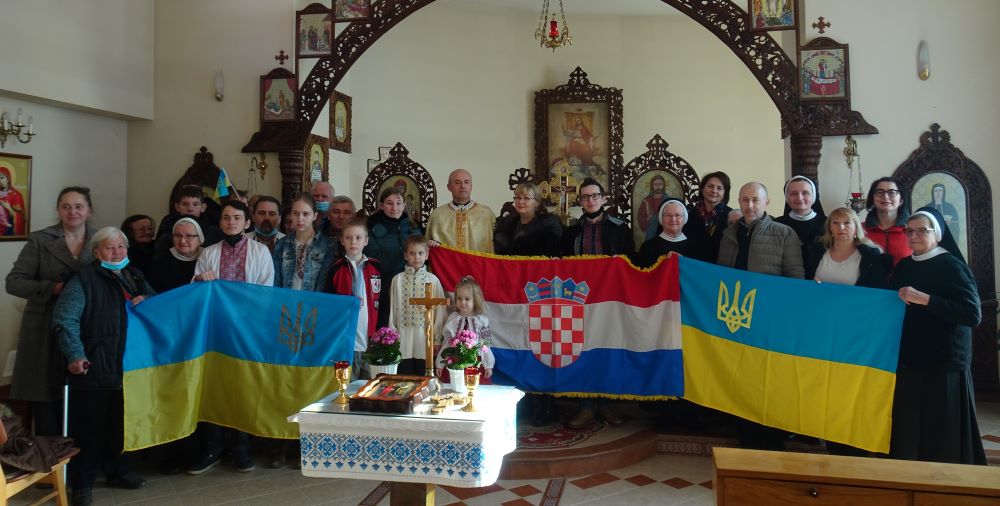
[[379, 369], [457, 379]]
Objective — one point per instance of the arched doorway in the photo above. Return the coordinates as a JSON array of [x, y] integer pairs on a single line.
[[777, 74]]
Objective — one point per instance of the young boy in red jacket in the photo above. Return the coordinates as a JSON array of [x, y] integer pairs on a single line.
[[356, 274]]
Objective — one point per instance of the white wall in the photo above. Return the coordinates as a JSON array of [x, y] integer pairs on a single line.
[[960, 94], [92, 55], [194, 39], [455, 83], [71, 148]]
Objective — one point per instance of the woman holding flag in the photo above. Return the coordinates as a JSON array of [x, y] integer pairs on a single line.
[[934, 409], [90, 321]]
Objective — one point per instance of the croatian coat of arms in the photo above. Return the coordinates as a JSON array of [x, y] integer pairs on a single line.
[[555, 320]]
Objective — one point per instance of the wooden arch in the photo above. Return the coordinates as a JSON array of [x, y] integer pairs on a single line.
[[773, 69]]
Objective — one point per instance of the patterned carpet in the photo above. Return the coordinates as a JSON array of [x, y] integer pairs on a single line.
[[555, 435]]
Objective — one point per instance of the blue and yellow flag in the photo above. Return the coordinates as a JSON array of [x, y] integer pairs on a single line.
[[222, 185], [814, 359], [233, 354]]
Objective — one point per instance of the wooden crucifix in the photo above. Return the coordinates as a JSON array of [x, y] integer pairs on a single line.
[[429, 303], [562, 185]]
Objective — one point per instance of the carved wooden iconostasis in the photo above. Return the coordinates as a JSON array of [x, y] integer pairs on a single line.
[[419, 192], [804, 121], [938, 174]]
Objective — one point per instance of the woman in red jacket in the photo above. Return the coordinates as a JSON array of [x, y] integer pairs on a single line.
[[886, 219]]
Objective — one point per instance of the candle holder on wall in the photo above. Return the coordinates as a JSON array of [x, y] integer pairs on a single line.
[[855, 200]]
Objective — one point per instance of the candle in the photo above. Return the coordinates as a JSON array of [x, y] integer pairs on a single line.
[[31, 125], [19, 116], [342, 364]]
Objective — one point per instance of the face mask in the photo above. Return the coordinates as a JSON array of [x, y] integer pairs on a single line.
[[322, 206], [115, 266], [233, 239], [261, 233]]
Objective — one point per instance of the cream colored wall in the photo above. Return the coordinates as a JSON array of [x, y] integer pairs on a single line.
[[72, 148], [91, 55], [194, 39], [455, 83], [960, 94]]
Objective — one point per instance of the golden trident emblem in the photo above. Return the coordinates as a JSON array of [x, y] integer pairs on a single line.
[[735, 315], [298, 331]]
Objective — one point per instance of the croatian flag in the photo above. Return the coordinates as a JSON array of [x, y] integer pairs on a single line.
[[581, 327]]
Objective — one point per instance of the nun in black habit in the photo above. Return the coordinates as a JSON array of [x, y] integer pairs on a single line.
[[934, 409], [804, 214]]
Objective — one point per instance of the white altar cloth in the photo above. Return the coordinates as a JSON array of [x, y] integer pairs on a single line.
[[454, 448]]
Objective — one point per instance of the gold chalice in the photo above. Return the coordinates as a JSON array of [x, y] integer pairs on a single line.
[[471, 383], [343, 372]]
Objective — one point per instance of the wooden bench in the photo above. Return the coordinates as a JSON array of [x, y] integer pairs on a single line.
[[752, 477]]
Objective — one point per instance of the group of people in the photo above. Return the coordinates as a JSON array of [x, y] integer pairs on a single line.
[[77, 280]]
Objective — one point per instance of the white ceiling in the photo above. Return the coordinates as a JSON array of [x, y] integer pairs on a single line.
[[617, 7]]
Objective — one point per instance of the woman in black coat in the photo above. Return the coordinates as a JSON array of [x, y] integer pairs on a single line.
[[843, 255], [934, 409], [709, 215], [531, 231]]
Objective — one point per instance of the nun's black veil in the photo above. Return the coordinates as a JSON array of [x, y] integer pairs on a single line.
[[947, 239]]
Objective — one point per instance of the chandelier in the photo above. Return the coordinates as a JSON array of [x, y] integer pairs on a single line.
[[15, 129], [552, 37]]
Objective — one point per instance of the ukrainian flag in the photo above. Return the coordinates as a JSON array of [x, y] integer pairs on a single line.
[[222, 184], [814, 359], [233, 354]]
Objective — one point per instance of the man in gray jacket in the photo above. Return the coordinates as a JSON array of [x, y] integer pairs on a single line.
[[758, 243]]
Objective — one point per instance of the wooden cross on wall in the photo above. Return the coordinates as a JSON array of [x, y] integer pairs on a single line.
[[821, 25], [562, 186], [429, 302], [281, 57]]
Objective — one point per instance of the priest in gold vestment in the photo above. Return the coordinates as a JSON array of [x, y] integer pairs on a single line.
[[462, 223]]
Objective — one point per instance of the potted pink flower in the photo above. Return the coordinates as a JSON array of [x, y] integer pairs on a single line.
[[462, 351], [383, 354]]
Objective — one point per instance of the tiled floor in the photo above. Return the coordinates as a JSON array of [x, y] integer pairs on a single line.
[[661, 480]]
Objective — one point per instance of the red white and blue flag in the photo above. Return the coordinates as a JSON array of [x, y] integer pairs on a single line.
[[587, 326]]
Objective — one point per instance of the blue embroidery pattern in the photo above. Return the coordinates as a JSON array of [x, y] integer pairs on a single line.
[[404, 456]]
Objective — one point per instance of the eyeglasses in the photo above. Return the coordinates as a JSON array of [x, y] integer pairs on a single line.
[[523, 199], [919, 232], [185, 237], [886, 193], [590, 196]]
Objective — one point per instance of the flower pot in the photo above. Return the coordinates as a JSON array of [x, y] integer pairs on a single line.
[[456, 377], [379, 369]]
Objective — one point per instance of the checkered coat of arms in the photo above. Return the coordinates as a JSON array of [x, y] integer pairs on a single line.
[[555, 320]]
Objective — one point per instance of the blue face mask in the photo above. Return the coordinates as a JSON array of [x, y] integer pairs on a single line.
[[261, 233], [322, 206], [115, 266]]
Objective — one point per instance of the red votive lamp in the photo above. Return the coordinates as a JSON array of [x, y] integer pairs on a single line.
[[553, 29], [341, 364], [471, 371], [856, 195]]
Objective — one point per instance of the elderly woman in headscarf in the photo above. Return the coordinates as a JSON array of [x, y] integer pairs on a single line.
[[90, 322], [934, 409], [672, 215], [804, 214], [175, 267]]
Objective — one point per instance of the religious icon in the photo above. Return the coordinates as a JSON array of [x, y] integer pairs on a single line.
[[340, 122], [945, 193], [766, 15], [278, 93], [15, 190], [579, 136], [823, 71], [317, 161], [650, 190], [314, 32], [352, 10]]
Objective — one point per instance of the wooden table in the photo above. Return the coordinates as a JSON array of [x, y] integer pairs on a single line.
[[457, 448], [752, 477]]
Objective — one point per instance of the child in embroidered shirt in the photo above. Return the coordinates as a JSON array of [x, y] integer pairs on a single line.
[[408, 319], [469, 305], [360, 276]]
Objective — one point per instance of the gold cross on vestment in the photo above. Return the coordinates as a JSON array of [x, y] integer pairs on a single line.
[[563, 185], [429, 303]]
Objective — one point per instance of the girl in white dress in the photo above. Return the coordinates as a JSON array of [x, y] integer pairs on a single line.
[[469, 315]]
